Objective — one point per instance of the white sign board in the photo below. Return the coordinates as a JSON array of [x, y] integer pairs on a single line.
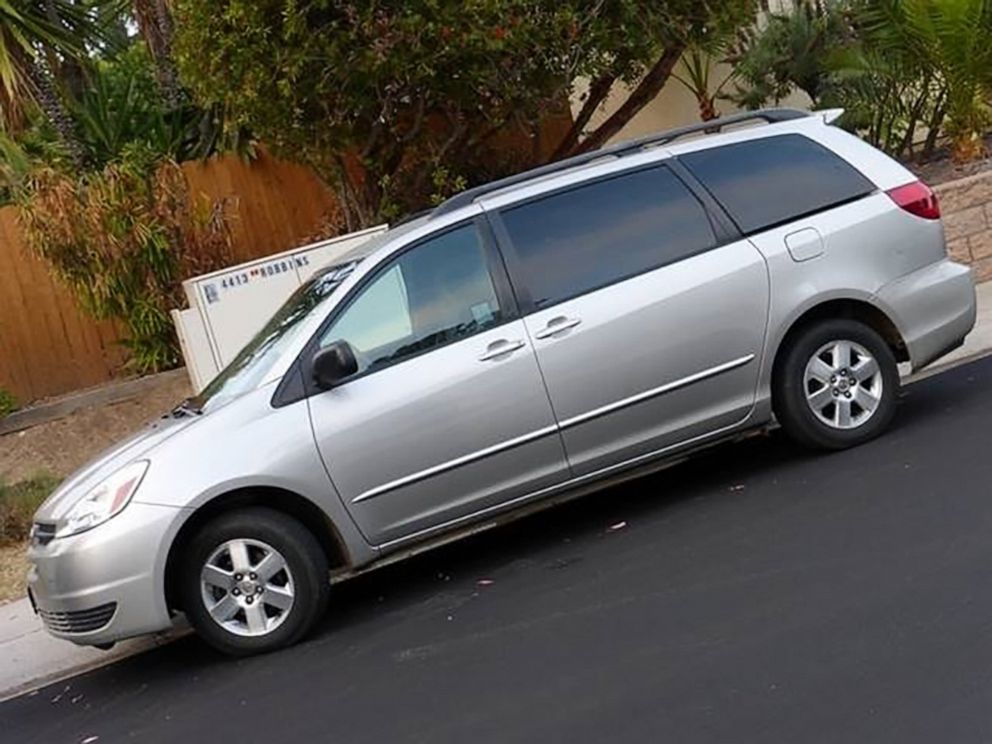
[[228, 307]]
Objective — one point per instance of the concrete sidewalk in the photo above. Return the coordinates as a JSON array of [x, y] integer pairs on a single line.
[[30, 658]]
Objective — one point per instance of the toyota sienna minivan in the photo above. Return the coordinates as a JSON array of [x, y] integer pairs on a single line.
[[525, 342]]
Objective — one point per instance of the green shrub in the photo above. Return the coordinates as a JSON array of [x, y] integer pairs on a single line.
[[122, 238], [386, 100], [945, 40], [8, 403], [18, 503]]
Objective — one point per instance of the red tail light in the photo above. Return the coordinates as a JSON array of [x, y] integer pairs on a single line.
[[917, 198]]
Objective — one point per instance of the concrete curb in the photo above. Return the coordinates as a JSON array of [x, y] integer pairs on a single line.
[[944, 366], [104, 395], [33, 659]]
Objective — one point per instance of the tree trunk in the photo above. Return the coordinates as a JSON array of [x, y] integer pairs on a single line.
[[155, 24], [934, 127], [51, 104], [599, 89], [649, 87], [707, 108]]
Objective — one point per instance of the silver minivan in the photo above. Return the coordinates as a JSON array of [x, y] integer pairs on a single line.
[[527, 341]]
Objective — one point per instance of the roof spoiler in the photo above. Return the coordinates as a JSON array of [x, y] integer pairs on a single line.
[[830, 115]]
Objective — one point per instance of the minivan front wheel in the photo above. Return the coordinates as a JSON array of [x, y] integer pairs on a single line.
[[836, 386], [254, 580]]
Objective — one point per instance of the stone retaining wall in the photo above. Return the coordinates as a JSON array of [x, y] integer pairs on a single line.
[[967, 208]]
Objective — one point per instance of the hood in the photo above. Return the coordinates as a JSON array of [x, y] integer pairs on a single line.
[[107, 463]]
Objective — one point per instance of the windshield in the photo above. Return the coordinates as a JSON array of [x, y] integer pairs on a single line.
[[256, 359]]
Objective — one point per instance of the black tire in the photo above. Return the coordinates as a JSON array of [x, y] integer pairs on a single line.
[[789, 387], [304, 559]]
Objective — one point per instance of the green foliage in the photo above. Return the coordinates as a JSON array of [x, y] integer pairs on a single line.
[[122, 106], [445, 183], [377, 95], [28, 26], [888, 99], [41, 41], [116, 223], [8, 403], [122, 238], [15, 164], [696, 75], [791, 50], [901, 68], [950, 40], [18, 503]]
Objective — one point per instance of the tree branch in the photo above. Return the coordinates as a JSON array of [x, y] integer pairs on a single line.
[[598, 91], [649, 87]]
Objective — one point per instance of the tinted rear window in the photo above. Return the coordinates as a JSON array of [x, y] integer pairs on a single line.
[[765, 182], [579, 240]]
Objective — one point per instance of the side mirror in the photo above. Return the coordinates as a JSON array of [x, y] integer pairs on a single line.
[[334, 363]]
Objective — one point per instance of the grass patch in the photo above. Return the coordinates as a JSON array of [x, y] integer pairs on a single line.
[[18, 503], [8, 403], [13, 572]]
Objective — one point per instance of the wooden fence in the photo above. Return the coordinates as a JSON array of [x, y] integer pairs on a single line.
[[48, 346]]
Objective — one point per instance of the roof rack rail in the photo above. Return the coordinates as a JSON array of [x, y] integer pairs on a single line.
[[769, 116]]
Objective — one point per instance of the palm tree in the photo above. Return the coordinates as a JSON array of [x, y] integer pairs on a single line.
[[36, 36], [154, 19], [789, 51], [953, 40]]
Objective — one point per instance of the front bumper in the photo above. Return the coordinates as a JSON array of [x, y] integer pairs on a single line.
[[934, 309], [105, 584]]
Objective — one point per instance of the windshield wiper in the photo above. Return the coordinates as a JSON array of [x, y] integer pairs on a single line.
[[186, 408]]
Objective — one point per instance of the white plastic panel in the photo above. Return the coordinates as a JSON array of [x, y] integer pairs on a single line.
[[233, 304], [195, 346]]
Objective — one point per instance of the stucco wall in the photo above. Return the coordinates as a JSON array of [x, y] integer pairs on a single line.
[[675, 106]]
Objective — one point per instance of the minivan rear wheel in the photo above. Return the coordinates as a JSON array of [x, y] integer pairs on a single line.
[[836, 386], [254, 580]]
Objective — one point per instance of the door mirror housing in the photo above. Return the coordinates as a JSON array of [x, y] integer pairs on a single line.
[[334, 364]]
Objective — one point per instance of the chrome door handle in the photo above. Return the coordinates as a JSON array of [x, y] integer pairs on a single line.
[[556, 326], [501, 348]]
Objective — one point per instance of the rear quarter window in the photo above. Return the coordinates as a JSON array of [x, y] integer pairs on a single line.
[[770, 181]]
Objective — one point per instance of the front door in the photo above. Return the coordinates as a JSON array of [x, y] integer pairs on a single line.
[[648, 331], [448, 415]]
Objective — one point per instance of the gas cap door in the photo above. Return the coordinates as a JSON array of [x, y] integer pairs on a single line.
[[804, 244]]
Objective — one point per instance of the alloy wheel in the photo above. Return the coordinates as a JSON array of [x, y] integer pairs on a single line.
[[247, 587], [843, 384]]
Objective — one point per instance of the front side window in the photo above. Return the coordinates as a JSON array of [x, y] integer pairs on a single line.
[[588, 237], [436, 293], [255, 361]]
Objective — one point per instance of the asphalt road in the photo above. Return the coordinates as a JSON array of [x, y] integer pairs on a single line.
[[756, 594]]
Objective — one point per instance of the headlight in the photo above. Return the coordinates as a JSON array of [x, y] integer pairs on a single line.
[[104, 501]]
